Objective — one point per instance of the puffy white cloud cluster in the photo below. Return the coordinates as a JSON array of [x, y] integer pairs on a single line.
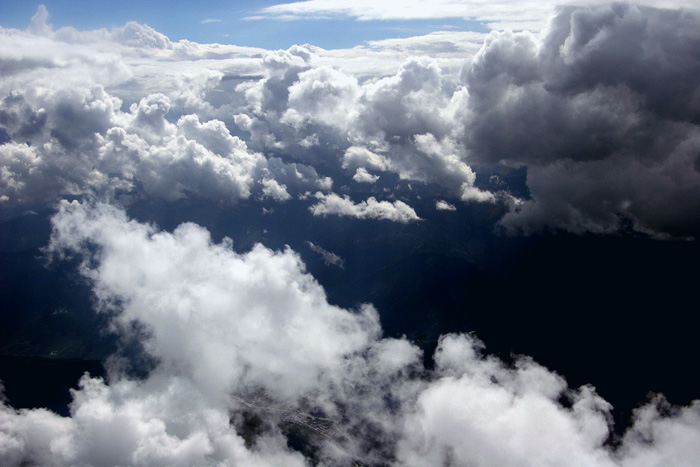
[[403, 123], [68, 138], [331, 203], [603, 107], [222, 325], [132, 39], [305, 107], [81, 143], [125, 111]]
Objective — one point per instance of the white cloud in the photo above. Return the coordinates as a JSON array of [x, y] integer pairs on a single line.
[[366, 10], [481, 413], [398, 211], [288, 306], [402, 123], [362, 176], [324, 95], [308, 98], [358, 157], [435, 44], [221, 323], [82, 143], [511, 14], [210, 20], [442, 205], [273, 189]]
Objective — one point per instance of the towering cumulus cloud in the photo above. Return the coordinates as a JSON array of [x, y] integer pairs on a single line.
[[603, 108], [233, 336]]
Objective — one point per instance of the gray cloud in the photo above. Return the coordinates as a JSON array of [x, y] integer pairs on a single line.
[[329, 258], [590, 109]]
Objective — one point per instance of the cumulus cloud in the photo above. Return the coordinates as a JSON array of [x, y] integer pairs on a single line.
[[403, 123], [362, 176], [83, 143], [234, 335], [435, 44], [324, 95], [588, 108], [398, 211], [442, 205], [356, 157], [304, 104], [182, 289], [297, 299], [273, 189]]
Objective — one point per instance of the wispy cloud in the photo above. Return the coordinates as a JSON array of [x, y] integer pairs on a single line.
[[500, 14], [329, 258], [211, 20]]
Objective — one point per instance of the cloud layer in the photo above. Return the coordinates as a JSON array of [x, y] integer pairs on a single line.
[[234, 335], [587, 106]]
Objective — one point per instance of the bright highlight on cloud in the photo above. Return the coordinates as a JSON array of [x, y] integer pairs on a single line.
[[235, 335]]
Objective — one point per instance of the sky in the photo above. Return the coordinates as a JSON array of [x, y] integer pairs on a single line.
[[329, 232], [241, 22]]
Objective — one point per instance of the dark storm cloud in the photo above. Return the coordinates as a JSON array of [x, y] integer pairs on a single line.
[[603, 108]]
